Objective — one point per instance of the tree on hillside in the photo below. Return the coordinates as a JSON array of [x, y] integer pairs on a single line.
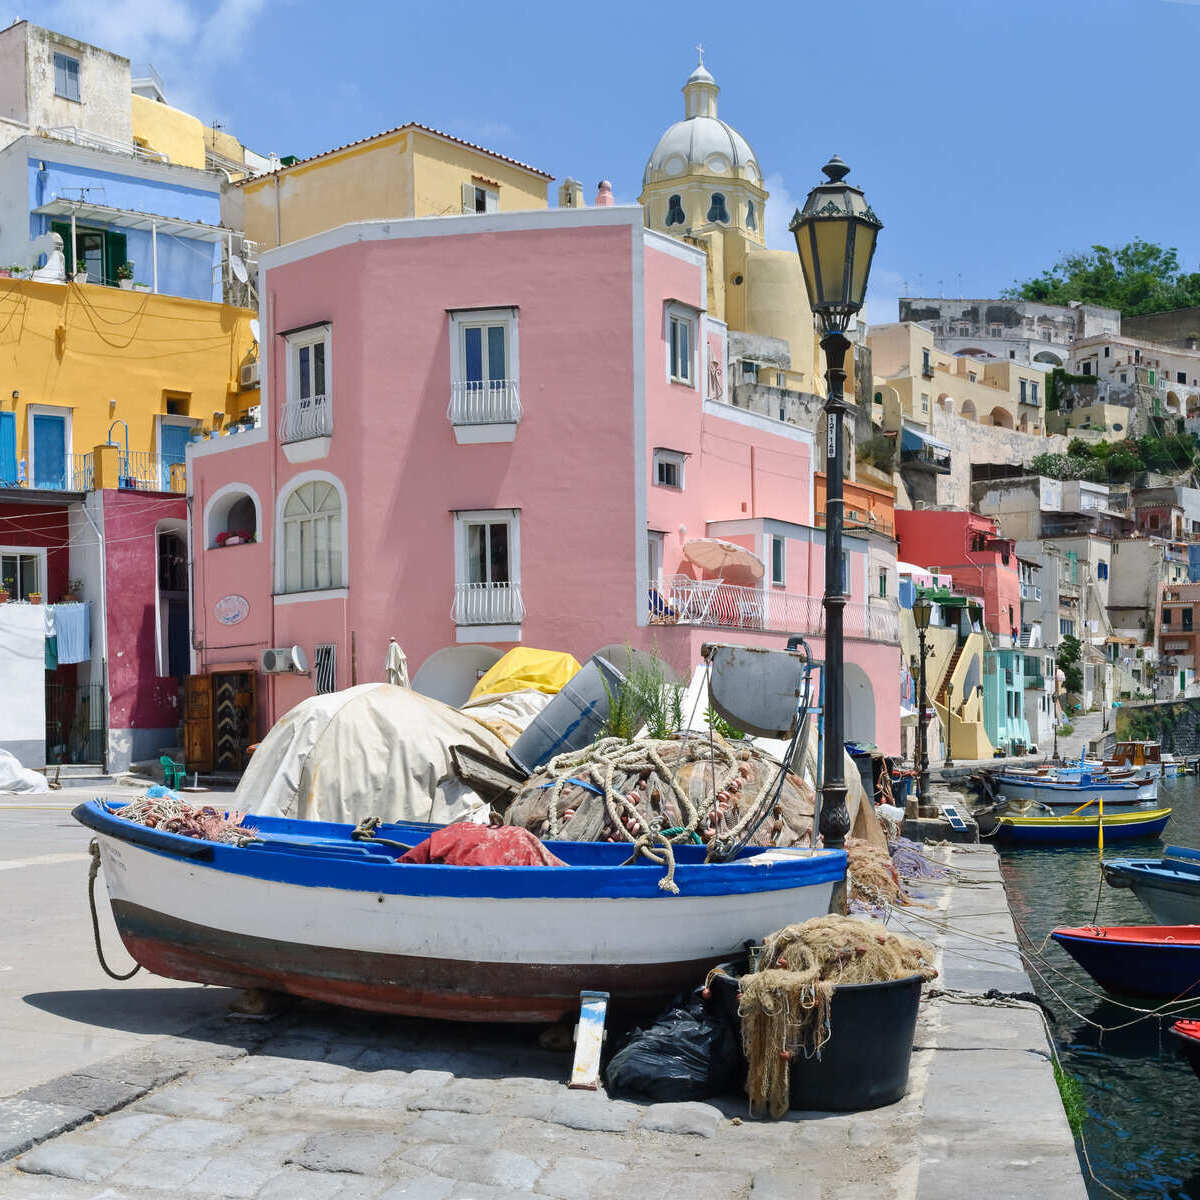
[[1139, 277]]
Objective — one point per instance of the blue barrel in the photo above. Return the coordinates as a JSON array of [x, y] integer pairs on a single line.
[[572, 719]]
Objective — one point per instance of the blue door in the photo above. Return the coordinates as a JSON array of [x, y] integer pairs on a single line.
[[8, 449], [49, 451], [172, 448]]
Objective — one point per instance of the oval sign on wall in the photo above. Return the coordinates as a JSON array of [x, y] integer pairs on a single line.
[[229, 610]]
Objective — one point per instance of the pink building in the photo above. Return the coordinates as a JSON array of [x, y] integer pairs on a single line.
[[484, 430], [966, 547]]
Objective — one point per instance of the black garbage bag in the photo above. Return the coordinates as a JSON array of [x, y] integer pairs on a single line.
[[691, 1052]]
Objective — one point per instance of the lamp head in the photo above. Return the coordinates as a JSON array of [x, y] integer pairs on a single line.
[[922, 611]]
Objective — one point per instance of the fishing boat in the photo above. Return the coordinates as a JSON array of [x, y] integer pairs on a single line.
[[1149, 756], [310, 911], [1083, 828], [1169, 886], [1072, 787], [1146, 960], [1188, 1033]]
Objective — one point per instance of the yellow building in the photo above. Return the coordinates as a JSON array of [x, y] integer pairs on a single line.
[[81, 362], [410, 171], [703, 184]]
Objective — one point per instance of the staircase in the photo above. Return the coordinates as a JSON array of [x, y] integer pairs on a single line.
[[941, 696]]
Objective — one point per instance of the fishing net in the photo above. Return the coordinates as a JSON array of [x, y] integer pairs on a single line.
[[873, 881], [908, 857], [172, 815], [784, 1004]]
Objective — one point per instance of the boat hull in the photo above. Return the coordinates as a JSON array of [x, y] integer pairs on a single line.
[[1170, 890], [1138, 960], [1082, 829], [520, 947], [1188, 1034], [1069, 794]]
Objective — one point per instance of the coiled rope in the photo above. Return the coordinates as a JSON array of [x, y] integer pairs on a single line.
[[93, 871]]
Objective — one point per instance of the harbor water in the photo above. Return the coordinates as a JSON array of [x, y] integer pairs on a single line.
[[1142, 1125]]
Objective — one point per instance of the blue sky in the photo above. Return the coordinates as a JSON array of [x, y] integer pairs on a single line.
[[990, 137]]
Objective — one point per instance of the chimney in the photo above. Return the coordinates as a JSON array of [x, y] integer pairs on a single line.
[[604, 196], [570, 193]]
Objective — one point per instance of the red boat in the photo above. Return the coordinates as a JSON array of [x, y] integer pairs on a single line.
[[1147, 960], [1188, 1033]]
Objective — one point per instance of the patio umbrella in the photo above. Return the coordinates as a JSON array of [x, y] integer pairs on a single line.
[[716, 554], [395, 665]]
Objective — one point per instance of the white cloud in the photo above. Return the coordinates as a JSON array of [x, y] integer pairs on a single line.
[[781, 206]]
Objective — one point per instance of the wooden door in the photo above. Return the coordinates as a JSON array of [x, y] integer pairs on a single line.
[[198, 723]]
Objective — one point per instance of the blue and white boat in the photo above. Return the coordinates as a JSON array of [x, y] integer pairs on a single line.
[[1169, 886], [1067, 788], [310, 911]]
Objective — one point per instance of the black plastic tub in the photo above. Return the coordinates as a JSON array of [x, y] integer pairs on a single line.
[[864, 1064]]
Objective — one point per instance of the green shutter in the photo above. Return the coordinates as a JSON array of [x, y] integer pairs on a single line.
[[114, 256], [64, 231]]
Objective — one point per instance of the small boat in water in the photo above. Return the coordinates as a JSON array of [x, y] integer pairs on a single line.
[[1169, 886], [1081, 828], [310, 911], [1073, 787], [1188, 1033], [1145, 960]]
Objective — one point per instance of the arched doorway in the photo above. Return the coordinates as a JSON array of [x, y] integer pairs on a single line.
[[450, 674], [968, 410], [858, 700], [1045, 356], [1002, 418]]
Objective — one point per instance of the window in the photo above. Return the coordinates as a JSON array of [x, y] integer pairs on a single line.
[[925, 402], [1105, 351], [1024, 391], [668, 469], [1124, 379], [778, 561], [1101, 569], [750, 370], [99, 252], [926, 365], [1033, 393], [1087, 368], [883, 583], [488, 568], [308, 412], [325, 667], [1185, 615], [20, 573], [1181, 377], [996, 331], [1066, 628], [751, 218], [66, 77], [717, 210], [972, 377], [484, 370], [675, 211], [654, 557], [312, 538], [681, 331], [477, 198], [1166, 618]]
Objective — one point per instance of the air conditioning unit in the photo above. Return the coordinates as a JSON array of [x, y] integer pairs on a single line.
[[248, 375], [284, 660]]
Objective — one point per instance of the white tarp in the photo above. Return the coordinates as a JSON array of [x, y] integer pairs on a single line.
[[372, 750], [507, 714], [16, 778], [23, 682]]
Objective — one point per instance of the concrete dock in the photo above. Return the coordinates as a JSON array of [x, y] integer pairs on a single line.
[[144, 1089]]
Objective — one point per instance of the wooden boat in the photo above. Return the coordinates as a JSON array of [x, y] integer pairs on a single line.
[[1149, 756], [1188, 1033], [1080, 828], [1071, 787], [311, 912], [1146, 960], [1169, 886]]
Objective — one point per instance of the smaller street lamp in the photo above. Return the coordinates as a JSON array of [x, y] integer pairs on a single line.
[[922, 611], [949, 723]]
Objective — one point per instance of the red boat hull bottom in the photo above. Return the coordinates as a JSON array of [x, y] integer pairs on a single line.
[[393, 983], [1188, 1033]]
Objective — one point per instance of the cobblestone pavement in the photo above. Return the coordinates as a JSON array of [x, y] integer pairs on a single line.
[[324, 1103]]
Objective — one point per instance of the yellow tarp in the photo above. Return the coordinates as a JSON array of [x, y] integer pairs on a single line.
[[525, 668]]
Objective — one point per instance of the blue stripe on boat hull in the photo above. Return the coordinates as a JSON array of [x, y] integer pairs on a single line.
[[1050, 834]]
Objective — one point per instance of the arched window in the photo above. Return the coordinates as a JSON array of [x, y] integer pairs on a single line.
[[717, 210], [751, 218], [312, 538], [675, 211]]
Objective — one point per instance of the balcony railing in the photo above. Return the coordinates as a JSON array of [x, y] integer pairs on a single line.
[[488, 604], [306, 417], [98, 141], [926, 456], [74, 475], [1031, 591], [1035, 683], [718, 605], [142, 471], [484, 402]]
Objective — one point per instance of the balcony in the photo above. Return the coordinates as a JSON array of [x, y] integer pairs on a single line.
[[98, 141], [927, 370], [1031, 591], [927, 458], [488, 604], [306, 427], [484, 410], [74, 475], [717, 605], [141, 471], [1035, 683]]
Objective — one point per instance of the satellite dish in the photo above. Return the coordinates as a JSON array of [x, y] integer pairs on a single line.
[[254, 328], [239, 269]]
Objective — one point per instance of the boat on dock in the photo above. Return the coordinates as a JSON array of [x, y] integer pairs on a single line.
[[1147, 960], [1188, 1033], [308, 910], [1079, 828], [1169, 886]]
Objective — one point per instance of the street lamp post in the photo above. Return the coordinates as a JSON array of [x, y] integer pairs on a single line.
[[949, 761], [922, 611], [835, 238]]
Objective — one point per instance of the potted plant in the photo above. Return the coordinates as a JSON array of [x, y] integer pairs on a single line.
[[73, 593], [81, 275], [125, 276], [4, 597], [35, 597], [139, 286]]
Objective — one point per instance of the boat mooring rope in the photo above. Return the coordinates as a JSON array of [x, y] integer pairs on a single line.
[[93, 871]]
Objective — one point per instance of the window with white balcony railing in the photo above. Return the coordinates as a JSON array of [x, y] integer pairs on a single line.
[[307, 414], [487, 583], [485, 398]]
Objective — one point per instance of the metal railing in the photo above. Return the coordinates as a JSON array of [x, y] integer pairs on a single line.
[[926, 456], [307, 417], [732, 606], [142, 471], [75, 475], [484, 402], [488, 604], [1031, 591], [98, 141], [1035, 683]]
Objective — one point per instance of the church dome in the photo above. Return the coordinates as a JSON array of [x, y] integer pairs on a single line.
[[702, 143]]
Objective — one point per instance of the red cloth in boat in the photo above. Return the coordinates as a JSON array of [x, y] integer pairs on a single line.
[[468, 845]]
